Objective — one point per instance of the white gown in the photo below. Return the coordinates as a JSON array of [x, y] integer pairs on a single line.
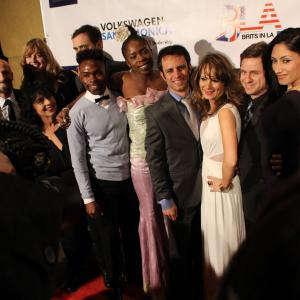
[[222, 219]]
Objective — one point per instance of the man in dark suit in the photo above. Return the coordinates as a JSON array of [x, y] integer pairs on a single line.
[[253, 79], [174, 158], [9, 107]]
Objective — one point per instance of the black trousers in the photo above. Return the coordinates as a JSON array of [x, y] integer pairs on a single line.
[[186, 270], [115, 233], [75, 238]]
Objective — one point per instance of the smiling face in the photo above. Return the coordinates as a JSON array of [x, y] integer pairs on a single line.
[[45, 107], [92, 76], [176, 73], [286, 65], [210, 86], [138, 56], [252, 77], [36, 59]]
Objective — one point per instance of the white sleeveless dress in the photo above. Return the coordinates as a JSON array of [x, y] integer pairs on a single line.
[[222, 219]]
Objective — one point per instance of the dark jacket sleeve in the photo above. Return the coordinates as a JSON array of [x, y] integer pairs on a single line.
[[156, 158]]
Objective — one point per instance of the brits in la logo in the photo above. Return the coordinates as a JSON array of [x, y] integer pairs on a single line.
[[235, 26]]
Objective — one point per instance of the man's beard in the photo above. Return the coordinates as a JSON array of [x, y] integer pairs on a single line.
[[5, 87]]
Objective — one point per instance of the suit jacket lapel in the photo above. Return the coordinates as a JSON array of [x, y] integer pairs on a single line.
[[259, 110], [170, 107]]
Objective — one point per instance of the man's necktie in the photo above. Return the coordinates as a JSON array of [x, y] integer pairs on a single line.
[[189, 116], [249, 114], [104, 97], [11, 113]]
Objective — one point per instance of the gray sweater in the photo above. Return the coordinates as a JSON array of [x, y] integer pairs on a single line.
[[98, 142]]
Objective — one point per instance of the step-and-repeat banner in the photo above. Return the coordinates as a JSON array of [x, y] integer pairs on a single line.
[[201, 26]]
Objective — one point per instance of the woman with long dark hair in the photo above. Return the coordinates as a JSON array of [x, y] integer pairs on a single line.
[[39, 109], [281, 120]]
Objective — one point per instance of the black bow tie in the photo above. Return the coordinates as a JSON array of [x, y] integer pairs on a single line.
[[105, 97]]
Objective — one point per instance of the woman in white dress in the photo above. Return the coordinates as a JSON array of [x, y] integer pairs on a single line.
[[218, 94]]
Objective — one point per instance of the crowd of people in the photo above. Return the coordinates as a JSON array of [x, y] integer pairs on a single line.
[[166, 174]]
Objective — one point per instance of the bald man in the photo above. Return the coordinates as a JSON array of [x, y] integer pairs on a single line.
[[9, 107]]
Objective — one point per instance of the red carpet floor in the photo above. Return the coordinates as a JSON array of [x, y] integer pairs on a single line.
[[95, 290]]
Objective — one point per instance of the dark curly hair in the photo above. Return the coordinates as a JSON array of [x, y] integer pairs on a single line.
[[90, 54], [26, 147], [226, 74], [35, 82]]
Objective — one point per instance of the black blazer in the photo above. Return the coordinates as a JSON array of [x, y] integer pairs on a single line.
[[173, 154], [281, 124], [251, 158]]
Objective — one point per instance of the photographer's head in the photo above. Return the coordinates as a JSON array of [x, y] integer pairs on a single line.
[[26, 148]]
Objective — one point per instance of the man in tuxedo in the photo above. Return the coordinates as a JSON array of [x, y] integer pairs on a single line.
[[253, 79], [9, 107], [174, 158]]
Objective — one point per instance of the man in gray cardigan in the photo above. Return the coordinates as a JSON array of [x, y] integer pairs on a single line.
[[99, 149]]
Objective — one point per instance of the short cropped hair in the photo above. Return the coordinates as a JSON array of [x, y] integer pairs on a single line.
[[93, 33], [90, 54], [172, 50]]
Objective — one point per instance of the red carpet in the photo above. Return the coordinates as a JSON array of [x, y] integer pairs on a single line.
[[95, 290]]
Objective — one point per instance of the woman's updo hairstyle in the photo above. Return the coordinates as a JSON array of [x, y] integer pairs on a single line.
[[127, 34]]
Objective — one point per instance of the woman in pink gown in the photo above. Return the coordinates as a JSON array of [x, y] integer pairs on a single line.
[[141, 86]]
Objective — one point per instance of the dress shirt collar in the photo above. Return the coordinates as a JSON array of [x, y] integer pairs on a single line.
[[11, 97], [92, 97], [106, 103], [258, 101], [177, 97]]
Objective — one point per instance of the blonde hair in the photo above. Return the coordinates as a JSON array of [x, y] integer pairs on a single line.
[[41, 47]]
